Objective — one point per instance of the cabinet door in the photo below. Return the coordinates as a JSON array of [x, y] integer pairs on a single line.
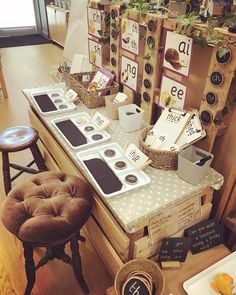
[[61, 19], [51, 14]]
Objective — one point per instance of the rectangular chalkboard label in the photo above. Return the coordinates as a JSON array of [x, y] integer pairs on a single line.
[[205, 235], [174, 249]]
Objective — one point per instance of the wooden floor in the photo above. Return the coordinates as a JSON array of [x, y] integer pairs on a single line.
[[25, 67]]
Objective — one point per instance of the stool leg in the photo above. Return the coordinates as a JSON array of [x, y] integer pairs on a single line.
[[38, 158], [29, 268], [2, 83], [76, 263], [6, 172]]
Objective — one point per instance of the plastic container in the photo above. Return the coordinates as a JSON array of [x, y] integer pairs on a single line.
[[188, 170], [112, 108], [130, 117]]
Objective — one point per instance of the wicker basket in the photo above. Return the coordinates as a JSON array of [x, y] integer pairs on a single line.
[[92, 99], [164, 160], [145, 265]]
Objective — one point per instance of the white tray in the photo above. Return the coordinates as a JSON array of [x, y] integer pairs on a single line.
[[200, 283], [81, 120], [98, 152], [57, 97]]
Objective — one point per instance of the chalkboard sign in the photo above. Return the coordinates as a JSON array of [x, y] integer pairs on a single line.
[[224, 59], [211, 98], [205, 235], [217, 78], [135, 286], [206, 117], [174, 249]]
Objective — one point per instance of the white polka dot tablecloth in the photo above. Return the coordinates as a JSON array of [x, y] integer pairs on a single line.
[[137, 206]]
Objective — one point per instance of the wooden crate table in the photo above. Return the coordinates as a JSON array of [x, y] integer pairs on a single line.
[[132, 224], [192, 266]]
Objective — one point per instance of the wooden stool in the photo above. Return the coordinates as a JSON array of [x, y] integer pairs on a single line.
[[2, 81], [48, 210], [16, 139]]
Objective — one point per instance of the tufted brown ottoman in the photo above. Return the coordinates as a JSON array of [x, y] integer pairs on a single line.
[[48, 211]]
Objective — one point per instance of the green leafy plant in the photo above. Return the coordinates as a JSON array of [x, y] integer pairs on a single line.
[[136, 6], [209, 36]]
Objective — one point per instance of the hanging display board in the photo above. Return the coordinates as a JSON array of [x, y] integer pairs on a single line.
[[172, 93], [129, 72], [94, 21], [177, 56], [130, 35], [95, 53]]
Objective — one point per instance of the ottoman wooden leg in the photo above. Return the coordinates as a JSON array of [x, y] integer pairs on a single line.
[[29, 268], [38, 158], [6, 172], [76, 263]]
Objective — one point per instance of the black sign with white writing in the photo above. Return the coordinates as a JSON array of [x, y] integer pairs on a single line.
[[135, 286], [217, 78], [211, 98], [174, 249], [205, 235]]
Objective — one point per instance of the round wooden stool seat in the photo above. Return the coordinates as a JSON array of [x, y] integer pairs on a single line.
[[17, 138]]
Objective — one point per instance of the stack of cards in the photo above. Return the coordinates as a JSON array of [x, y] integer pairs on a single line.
[[138, 282], [175, 130], [102, 79]]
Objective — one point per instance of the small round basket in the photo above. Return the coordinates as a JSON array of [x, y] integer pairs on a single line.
[[164, 160], [146, 265]]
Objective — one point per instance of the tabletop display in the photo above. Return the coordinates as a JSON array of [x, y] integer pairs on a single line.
[[134, 207]]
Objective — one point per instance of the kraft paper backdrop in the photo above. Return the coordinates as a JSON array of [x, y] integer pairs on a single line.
[[77, 34]]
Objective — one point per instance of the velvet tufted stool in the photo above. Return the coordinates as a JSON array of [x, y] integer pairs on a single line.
[[16, 139], [49, 210]]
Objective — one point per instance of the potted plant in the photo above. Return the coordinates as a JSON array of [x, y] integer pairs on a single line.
[[178, 8]]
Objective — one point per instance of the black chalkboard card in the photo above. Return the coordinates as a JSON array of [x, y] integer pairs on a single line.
[[174, 249], [135, 286], [205, 235]]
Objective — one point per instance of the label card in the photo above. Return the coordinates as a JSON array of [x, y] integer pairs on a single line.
[[94, 21], [174, 249], [129, 72], [172, 93], [71, 94], [205, 235], [137, 157], [171, 122], [120, 97], [100, 121], [192, 132], [130, 35], [177, 56], [175, 218], [95, 53]]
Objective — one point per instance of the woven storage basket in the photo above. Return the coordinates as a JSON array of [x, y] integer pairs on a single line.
[[91, 99], [146, 265], [164, 160]]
